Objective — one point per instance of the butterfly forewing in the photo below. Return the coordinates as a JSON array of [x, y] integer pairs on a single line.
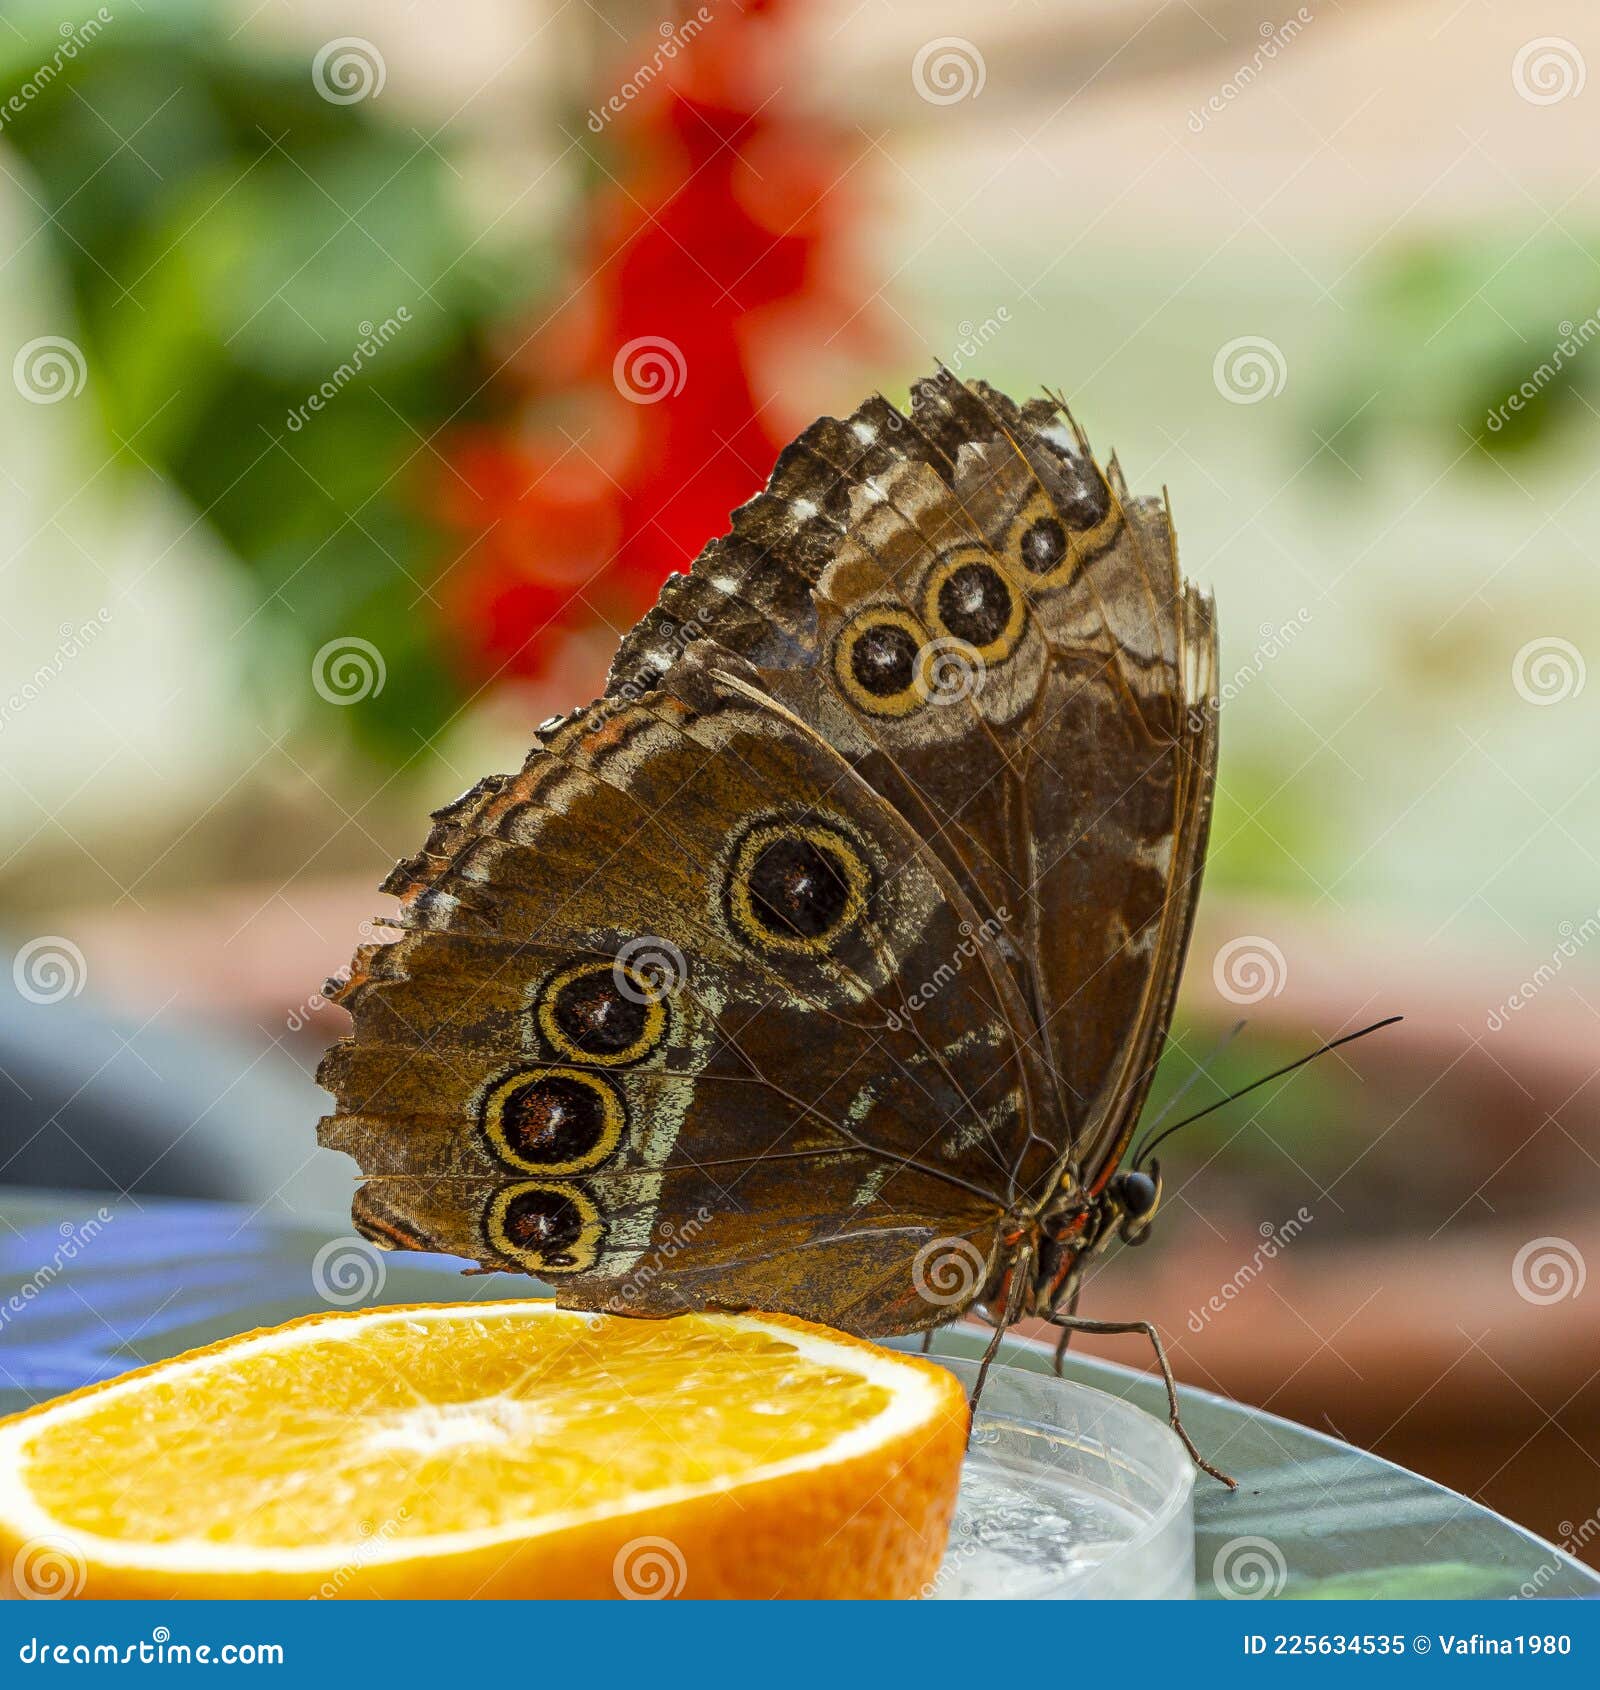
[[663, 975]]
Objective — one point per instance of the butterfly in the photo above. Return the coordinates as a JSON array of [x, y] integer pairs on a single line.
[[822, 965]]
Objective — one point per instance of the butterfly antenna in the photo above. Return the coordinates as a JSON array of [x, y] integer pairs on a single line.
[[1199, 1072], [1276, 1074]]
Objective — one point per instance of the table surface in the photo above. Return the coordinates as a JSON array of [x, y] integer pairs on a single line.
[[85, 1298]]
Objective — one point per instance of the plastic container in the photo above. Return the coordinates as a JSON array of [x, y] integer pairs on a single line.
[[1067, 1492]]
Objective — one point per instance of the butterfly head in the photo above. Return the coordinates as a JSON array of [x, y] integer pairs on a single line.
[[1081, 1227], [1134, 1196]]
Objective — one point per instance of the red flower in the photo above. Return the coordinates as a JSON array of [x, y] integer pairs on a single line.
[[712, 243]]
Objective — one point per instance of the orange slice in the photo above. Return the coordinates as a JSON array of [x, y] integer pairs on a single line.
[[492, 1449]]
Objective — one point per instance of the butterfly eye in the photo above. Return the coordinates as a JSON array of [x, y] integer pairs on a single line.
[[796, 888], [544, 1228], [1136, 1192], [878, 661], [602, 1012], [553, 1121], [968, 599]]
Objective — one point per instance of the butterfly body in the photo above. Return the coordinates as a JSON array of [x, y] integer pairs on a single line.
[[822, 965]]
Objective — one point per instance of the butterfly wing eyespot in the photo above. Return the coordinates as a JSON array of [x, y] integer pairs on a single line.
[[1047, 544], [553, 1120], [602, 1013], [796, 887], [878, 660], [545, 1226], [1042, 545], [968, 598]]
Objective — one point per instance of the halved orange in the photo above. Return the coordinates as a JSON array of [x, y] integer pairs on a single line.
[[492, 1449]]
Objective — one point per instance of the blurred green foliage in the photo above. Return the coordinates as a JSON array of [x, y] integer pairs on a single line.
[[1265, 837], [230, 237], [1451, 326], [1306, 1115]]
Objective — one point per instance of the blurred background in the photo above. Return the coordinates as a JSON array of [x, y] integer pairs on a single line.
[[370, 366]]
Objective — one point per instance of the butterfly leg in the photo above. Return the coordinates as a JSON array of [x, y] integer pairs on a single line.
[[1013, 1309], [1065, 1340], [1113, 1328], [983, 1366]]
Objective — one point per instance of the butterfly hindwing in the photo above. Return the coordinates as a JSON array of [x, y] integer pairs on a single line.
[[1007, 651]]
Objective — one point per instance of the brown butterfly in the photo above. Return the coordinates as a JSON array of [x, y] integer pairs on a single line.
[[822, 965]]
